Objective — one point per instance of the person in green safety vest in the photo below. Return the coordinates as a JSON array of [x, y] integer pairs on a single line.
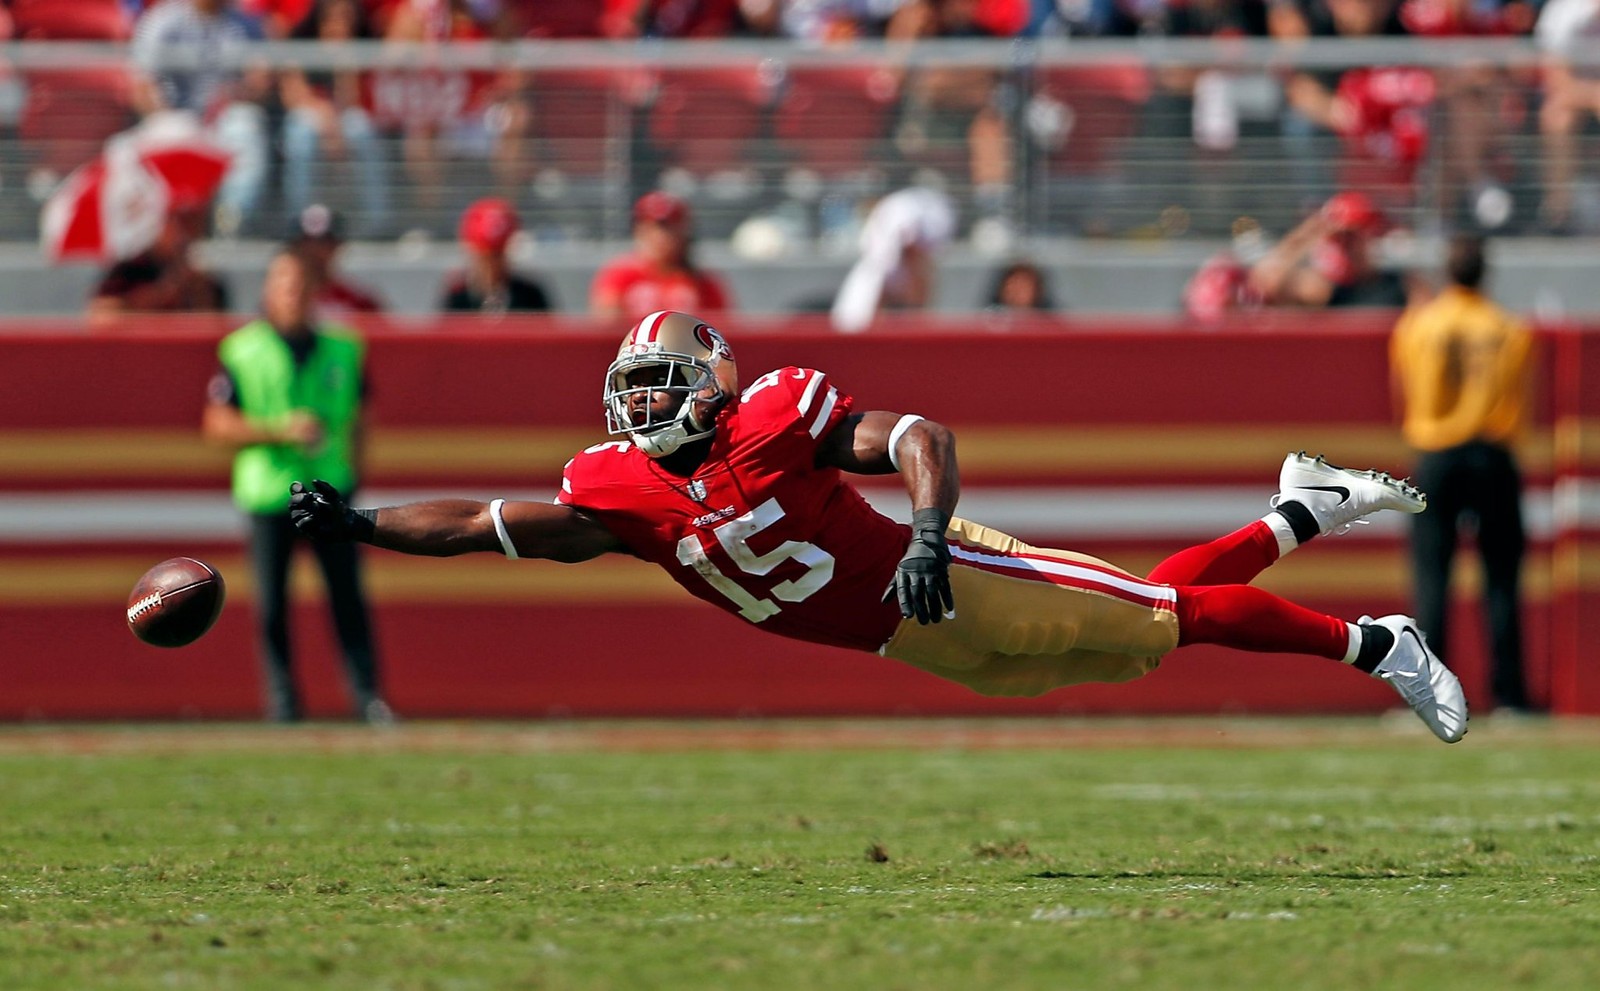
[[287, 401]]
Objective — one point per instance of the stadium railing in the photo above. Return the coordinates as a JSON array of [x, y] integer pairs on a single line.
[[1146, 139]]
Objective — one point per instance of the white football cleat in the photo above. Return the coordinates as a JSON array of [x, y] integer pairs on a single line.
[[1340, 497], [1433, 693]]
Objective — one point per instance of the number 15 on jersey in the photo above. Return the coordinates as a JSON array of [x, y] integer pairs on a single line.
[[734, 536]]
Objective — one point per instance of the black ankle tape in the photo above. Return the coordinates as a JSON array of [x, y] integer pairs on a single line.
[[1376, 642], [1300, 520]]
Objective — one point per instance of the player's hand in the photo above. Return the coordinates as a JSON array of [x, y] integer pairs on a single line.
[[320, 513], [922, 580]]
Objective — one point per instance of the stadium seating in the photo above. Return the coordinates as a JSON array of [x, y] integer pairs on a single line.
[[702, 127], [80, 20], [566, 19], [582, 123], [579, 117], [704, 120], [835, 121], [70, 113], [1080, 122], [1095, 145]]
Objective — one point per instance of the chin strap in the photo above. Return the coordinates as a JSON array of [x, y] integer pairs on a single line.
[[684, 431]]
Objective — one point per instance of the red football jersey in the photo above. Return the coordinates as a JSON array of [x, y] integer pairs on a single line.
[[338, 297], [759, 529], [642, 290]]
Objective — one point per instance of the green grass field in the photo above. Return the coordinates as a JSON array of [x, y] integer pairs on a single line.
[[1193, 855]]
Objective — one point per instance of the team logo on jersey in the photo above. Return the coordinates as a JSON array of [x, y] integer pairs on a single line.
[[697, 490], [716, 517]]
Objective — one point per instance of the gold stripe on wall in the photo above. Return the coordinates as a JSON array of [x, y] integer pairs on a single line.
[[1576, 440], [1316, 572], [91, 454], [1162, 450], [56, 581], [1155, 451], [1575, 566]]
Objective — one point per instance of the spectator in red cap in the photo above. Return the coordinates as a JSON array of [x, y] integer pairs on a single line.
[[488, 285], [1328, 260], [660, 273]]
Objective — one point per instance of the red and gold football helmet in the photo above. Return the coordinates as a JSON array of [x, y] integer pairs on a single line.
[[687, 358]]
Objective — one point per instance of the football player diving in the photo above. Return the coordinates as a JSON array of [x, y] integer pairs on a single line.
[[740, 497]]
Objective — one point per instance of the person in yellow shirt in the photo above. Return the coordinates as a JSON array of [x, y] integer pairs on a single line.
[[1460, 367]]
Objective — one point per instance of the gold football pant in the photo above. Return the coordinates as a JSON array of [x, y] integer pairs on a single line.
[[1030, 619]]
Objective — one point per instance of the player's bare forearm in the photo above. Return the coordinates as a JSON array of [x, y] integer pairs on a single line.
[[927, 452], [436, 528], [447, 527]]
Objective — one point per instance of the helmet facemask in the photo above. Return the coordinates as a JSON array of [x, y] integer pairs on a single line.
[[690, 379]]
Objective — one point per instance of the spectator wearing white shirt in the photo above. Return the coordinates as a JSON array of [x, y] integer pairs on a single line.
[[900, 243], [818, 21], [324, 119], [203, 36], [1571, 93]]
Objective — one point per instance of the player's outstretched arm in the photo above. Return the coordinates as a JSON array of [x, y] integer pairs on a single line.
[[447, 527]]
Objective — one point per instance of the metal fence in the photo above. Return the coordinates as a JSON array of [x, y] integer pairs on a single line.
[[779, 147]]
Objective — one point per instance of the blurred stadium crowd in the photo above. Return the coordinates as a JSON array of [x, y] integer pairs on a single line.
[[773, 152]]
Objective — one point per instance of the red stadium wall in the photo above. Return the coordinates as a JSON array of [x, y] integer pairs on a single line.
[[1122, 440], [1575, 558]]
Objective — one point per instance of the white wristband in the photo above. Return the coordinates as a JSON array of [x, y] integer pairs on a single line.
[[500, 528], [898, 432]]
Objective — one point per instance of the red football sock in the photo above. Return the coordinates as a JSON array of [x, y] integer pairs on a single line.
[[1235, 559], [1249, 618]]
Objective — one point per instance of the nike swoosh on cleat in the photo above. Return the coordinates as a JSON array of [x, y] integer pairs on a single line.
[[1409, 632], [1344, 493], [1424, 672]]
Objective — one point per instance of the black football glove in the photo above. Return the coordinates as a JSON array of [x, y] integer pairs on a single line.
[[922, 580], [320, 514]]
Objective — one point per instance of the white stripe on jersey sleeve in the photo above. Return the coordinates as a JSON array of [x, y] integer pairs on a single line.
[[827, 408], [810, 394], [564, 497]]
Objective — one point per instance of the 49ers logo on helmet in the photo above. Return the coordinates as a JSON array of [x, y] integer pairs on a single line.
[[712, 341]]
